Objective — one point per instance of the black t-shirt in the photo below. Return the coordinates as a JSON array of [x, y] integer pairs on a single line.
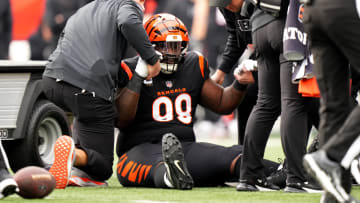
[[169, 105]]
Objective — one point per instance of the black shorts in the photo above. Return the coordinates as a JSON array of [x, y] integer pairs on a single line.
[[207, 163]]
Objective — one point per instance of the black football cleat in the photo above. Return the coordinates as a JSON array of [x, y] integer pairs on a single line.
[[328, 174], [8, 186], [278, 178], [173, 156]]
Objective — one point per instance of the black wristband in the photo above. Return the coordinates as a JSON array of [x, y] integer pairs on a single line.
[[153, 59], [238, 86], [135, 83]]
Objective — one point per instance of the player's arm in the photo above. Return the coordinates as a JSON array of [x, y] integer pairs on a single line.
[[127, 98], [130, 23], [126, 103], [222, 100], [225, 100]]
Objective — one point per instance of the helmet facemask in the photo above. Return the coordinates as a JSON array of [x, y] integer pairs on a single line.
[[172, 50]]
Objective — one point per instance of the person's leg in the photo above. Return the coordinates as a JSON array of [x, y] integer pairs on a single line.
[[93, 130], [344, 146], [331, 70], [294, 131], [210, 164], [142, 166], [244, 110], [267, 108], [155, 165], [347, 41]]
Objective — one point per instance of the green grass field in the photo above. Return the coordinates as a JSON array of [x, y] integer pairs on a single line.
[[116, 193]]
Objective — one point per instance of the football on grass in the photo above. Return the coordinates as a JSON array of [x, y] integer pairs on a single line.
[[34, 182]]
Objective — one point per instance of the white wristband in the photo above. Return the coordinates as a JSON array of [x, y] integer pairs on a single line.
[[141, 68]]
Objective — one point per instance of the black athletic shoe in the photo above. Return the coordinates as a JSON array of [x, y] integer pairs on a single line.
[[256, 185], [8, 185], [278, 178], [173, 156], [300, 187], [328, 174]]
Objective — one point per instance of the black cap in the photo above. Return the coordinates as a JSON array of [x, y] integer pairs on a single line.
[[219, 3]]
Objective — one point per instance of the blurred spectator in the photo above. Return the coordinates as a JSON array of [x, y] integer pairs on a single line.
[[5, 28], [57, 12]]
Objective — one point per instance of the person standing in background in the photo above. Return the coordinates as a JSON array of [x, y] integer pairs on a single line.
[[45, 39], [334, 35]]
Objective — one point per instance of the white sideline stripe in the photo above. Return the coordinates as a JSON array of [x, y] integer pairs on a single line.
[[351, 153]]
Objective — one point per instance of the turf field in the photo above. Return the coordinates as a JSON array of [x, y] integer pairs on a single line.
[[116, 193]]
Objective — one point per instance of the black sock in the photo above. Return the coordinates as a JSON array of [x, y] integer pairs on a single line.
[[159, 174]]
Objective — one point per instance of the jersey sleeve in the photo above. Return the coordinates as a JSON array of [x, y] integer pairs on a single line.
[[203, 66], [126, 71], [130, 23]]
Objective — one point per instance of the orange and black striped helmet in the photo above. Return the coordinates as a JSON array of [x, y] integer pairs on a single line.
[[170, 37]]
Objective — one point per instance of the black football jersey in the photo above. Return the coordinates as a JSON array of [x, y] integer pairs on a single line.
[[169, 103]]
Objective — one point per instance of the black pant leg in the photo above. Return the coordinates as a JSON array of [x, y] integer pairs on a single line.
[[335, 43], [342, 147], [244, 110], [93, 129], [294, 128], [210, 164], [268, 45], [139, 165]]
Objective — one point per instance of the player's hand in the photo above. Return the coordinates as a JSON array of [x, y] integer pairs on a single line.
[[243, 76], [218, 77]]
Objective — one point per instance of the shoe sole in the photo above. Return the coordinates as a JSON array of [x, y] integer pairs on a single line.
[[8, 187], [85, 182], [303, 190], [265, 189], [325, 181], [246, 189], [173, 157], [64, 155]]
